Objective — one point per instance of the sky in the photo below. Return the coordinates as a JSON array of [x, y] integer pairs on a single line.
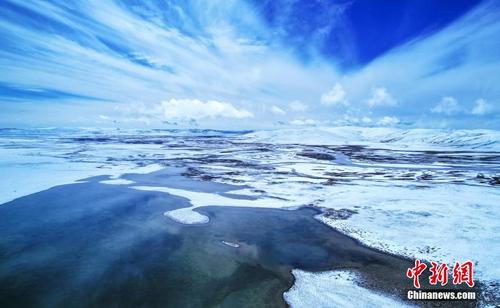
[[244, 64]]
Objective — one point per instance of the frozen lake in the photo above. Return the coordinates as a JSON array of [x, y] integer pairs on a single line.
[[159, 216]]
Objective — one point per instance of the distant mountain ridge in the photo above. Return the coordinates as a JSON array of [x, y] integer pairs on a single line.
[[479, 139]]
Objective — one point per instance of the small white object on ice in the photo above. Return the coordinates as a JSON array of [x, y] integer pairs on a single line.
[[234, 245]]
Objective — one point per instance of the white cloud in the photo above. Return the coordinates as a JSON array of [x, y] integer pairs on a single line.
[[381, 97], [235, 59], [223, 57], [420, 72], [336, 96], [349, 119], [196, 109], [277, 110], [481, 107], [388, 121], [366, 120], [448, 105], [298, 106], [306, 122]]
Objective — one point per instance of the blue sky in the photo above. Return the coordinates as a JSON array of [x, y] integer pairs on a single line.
[[250, 64]]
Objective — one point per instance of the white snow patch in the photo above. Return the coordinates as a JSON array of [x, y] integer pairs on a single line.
[[382, 137], [140, 170], [117, 182], [21, 179], [26, 171], [444, 222], [334, 289], [199, 199], [187, 216]]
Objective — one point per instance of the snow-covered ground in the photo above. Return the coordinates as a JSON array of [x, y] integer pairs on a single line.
[[199, 199], [383, 137], [34, 162], [335, 289], [429, 194]]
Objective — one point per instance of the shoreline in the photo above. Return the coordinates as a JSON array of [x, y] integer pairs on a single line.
[[196, 168]]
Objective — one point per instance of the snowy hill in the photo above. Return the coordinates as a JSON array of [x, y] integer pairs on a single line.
[[383, 137]]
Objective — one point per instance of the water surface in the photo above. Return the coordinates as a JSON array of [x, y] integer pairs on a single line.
[[91, 244]]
